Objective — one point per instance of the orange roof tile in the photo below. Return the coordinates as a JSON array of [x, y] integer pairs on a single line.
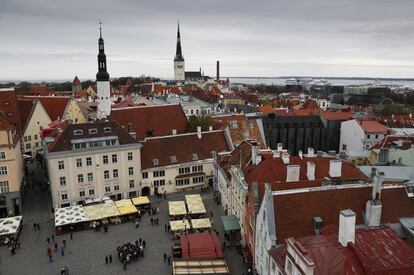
[[371, 126]]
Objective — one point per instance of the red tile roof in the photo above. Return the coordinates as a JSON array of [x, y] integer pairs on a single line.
[[371, 126], [41, 90], [163, 90], [25, 108], [55, 106], [204, 245], [311, 105], [342, 115], [294, 212], [266, 109], [389, 141], [76, 81], [10, 109], [182, 147], [161, 119], [376, 251], [4, 124]]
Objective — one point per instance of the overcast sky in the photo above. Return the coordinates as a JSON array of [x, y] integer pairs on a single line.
[[55, 39]]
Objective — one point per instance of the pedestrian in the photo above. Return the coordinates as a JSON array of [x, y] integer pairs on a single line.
[[125, 265], [49, 250], [143, 243], [152, 221], [48, 240], [71, 236], [149, 212], [34, 226], [110, 258], [224, 245], [106, 259], [62, 251], [165, 227], [64, 243], [53, 238], [50, 258], [168, 228], [165, 257], [140, 240], [38, 226], [56, 247], [169, 259], [211, 213], [18, 244]]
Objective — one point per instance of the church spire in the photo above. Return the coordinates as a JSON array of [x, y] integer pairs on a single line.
[[102, 74], [178, 53]]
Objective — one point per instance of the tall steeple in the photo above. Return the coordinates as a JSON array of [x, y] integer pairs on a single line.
[[178, 53], [102, 74], [179, 65], [102, 80]]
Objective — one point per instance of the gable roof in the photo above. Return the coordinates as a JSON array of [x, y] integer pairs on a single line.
[[4, 124], [10, 109], [397, 141], [76, 81], [63, 141], [182, 147], [55, 106], [371, 126], [161, 119], [26, 107]]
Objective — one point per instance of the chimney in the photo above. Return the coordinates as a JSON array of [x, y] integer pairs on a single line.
[[256, 157], [276, 154], [129, 127], [300, 154], [199, 132], [218, 70], [174, 131], [280, 147], [149, 132], [411, 116], [311, 152], [210, 128], [310, 171], [347, 220], [285, 158], [293, 172], [335, 168]]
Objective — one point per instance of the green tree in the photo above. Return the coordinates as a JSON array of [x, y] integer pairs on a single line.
[[204, 121]]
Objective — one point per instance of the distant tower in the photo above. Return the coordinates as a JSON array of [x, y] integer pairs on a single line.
[[179, 69], [218, 70], [76, 85], [102, 81]]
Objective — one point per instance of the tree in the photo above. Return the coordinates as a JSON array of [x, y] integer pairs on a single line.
[[204, 121]]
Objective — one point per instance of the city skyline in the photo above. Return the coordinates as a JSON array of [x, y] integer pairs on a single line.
[[276, 38]]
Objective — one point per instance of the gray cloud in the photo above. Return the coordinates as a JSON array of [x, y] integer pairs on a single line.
[[47, 39]]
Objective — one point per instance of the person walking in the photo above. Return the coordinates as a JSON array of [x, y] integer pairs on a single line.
[[62, 251], [106, 259], [48, 240], [56, 247], [50, 258], [152, 221], [71, 236], [53, 238], [169, 259], [49, 250], [110, 258], [38, 226], [165, 227], [34, 226], [165, 257], [125, 265], [64, 243], [143, 243]]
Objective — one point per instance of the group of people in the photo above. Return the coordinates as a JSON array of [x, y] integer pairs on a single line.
[[36, 226], [98, 225], [13, 244], [130, 251]]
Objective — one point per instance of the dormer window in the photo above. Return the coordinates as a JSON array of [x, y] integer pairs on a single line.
[[93, 131], [78, 132], [173, 159], [107, 130], [155, 162], [194, 157]]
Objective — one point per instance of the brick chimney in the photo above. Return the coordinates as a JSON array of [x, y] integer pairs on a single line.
[[174, 131], [310, 171], [347, 219], [311, 152], [335, 168], [199, 132]]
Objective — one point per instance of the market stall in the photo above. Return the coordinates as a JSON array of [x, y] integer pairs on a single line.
[[125, 207], [176, 208], [109, 212], [200, 224], [178, 227], [141, 201], [195, 204], [10, 228], [92, 212], [67, 217]]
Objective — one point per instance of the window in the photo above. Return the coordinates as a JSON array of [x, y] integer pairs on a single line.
[[115, 173], [368, 136], [78, 162], [114, 158], [183, 170], [61, 165], [116, 187], [159, 183], [181, 182], [105, 159], [155, 162], [4, 187], [93, 131], [130, 171], [88, 161], [78, 132], [194, 156], [82, 193], [80, 178], [376, 136], [36, 144], [198, 168], [107, 129], [62, 181], [35, 137], [106, 174], [129, 155], [64, 196], [145, 175], [108, 189], [131, 184], [160, 173], [198, 179], [91, 192], [29, 138], [90, 177], [2, 155], [25, 138], [173, 159], [28, 146], [3, 170]]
